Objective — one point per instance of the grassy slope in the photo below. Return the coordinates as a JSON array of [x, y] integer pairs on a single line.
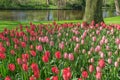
[[13, 24], [115, 20]]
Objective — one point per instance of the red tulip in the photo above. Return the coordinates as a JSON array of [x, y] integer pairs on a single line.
[[45, 59], [58, 54], [34, 67], [19, 60], [55, 78], [25, 67], [33, 53], [66, 73], [32, 78], [47, 79], [2, 49], [23, 44], [25, 56], [24, 60], [101, 63], [7, 78], [12, 52], [84, 74], [47, 53], [2, 55], [55, 70], [11, 67], [36, 74]]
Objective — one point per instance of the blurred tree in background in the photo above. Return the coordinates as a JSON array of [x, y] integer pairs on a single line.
[[117, 7], [66, 4], [93, 11], [50, 4]]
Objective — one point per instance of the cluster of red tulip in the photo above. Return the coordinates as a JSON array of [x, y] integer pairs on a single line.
[[69, 51]]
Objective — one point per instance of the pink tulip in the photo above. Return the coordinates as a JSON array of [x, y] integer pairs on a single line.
[[59, 34], [89, 53], [31, 46], [39, 48], [51, 43], [102, 42], [92, 60], [98, 48], [106, 41], [91, 68], [117, 41], [71, 57], [101, 28], [94, 38], [61, 45], [109, 54], [77, 39], [65, 55], [107, 48], [46, 39], [118, 59], [92, 49], [82, 41], [116, 52], [101, 54], [8, 43], [76, 50], [98, 75], [74, 38], [98, 69], [116, 64], [97, 32], [16, 46], [77, 45], [109, 60], [83, 51], [67, 34], [119, 46], [108, 32]]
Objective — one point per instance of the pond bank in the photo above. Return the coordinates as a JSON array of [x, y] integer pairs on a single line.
[[13, 24]]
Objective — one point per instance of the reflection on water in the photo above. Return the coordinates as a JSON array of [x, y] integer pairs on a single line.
[[47, 15]]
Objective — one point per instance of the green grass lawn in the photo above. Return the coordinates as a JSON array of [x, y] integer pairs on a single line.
[[13, 24]]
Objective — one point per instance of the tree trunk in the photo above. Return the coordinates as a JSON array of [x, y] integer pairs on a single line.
[[59, 4], [48, 2], [117, 7], [93, 11]]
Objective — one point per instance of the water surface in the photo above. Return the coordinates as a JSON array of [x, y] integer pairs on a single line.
[[47, 15]]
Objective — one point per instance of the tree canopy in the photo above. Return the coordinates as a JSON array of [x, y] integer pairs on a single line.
[[70, 4]]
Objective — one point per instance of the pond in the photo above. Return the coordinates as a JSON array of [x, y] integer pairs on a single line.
[[47, 15]]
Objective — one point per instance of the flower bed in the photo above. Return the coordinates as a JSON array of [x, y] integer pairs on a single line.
[[69, 51]]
